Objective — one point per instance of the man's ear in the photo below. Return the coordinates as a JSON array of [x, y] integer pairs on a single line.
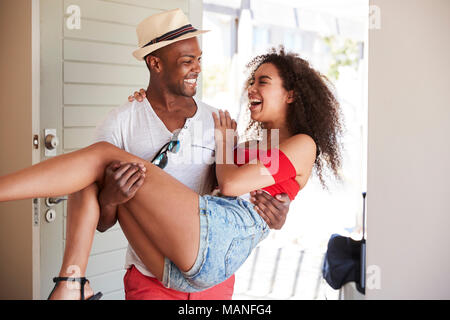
[[154, 63], [290, 96]]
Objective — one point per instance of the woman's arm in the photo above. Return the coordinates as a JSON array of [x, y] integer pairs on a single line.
[[234, 181], [225, 138]]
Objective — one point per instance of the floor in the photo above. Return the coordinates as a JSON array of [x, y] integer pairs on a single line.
[[273, 272]]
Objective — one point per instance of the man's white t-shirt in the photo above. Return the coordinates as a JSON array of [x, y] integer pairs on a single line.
[[135, 128]]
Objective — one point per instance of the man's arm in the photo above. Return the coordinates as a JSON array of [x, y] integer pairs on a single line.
[[108, 217], [112, 191], [122, 181]]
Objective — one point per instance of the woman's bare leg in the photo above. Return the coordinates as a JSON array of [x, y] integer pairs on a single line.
[[168, 213], [61, 175], [83, 212], [165, 209], [152, 258]]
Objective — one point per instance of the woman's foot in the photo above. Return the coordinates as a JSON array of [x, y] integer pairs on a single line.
[[69, 290]]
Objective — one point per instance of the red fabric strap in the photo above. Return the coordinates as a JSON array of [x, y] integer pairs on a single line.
[[278, 164]]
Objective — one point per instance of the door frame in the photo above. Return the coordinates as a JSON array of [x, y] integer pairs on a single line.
[[50, 236], [35, 110]]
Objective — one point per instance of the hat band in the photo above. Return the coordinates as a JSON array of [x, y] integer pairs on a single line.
[[172, 34]]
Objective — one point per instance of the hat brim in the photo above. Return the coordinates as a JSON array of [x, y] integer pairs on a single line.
[[140, 53]]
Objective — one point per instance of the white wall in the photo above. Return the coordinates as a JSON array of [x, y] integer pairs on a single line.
[[409, 150]]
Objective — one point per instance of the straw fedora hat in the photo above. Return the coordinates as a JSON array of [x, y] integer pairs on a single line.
[[162, 29]]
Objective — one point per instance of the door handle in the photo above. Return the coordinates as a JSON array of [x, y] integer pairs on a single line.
[[50, 202], [51, 142]]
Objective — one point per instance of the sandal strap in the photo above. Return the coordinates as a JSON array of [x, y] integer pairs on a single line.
[[81, 280]]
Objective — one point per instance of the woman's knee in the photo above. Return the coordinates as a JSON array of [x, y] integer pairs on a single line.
[[107, 153], [102, 146]]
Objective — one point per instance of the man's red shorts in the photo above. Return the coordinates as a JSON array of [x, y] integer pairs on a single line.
[[141, 287]]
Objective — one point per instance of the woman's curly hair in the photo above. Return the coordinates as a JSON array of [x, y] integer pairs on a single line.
[[315, 110]]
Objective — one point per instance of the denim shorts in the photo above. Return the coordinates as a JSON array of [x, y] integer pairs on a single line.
[[229, 230]]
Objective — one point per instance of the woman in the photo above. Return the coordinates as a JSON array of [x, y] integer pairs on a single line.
[[206, 239]]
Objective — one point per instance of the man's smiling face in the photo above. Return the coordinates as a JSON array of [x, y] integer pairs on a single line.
[[181, 66]]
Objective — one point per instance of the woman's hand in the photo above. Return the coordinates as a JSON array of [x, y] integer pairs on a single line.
[[138, 96], [224, 127]]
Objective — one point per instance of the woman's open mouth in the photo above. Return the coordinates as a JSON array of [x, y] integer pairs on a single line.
[[255, 104]]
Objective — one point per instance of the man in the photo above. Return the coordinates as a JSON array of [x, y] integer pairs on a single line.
[[169, 47]]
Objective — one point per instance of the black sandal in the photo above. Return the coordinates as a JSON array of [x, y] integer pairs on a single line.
[[82, 282]]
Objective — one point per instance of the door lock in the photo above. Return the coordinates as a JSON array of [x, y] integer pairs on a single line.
[[50, 216], [36, 141]]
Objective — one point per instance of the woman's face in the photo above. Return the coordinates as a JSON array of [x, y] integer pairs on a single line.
[[268, 100]]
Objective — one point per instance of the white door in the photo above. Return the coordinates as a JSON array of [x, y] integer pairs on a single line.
[[86, 70]]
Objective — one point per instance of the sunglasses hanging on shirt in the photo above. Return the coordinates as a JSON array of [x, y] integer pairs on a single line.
[[161, 159]]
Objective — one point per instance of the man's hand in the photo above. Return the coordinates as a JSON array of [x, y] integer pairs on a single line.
[[138, 96], [272, 209], [122, 181]]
